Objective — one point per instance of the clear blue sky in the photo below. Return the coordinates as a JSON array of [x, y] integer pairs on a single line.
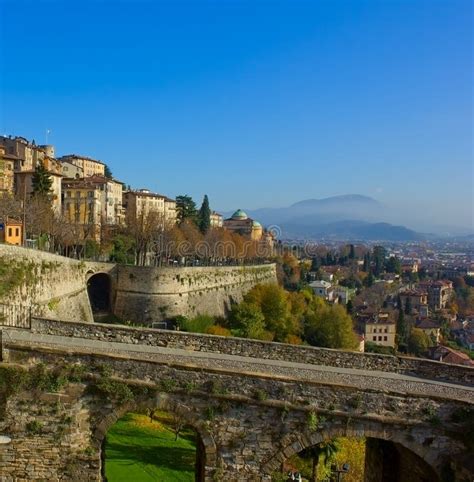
[[256, 103]]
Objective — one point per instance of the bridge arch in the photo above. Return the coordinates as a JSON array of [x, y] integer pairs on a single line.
[[427, 456], [206, 449]]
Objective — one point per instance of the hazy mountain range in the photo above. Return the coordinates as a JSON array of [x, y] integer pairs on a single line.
[[351, 216]]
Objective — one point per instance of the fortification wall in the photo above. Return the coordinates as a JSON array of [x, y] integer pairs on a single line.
[[54, 286], [146, 294]]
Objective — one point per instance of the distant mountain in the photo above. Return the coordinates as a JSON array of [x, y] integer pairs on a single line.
[[350, 216]]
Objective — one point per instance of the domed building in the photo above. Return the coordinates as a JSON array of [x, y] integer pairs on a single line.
[[240, 223]]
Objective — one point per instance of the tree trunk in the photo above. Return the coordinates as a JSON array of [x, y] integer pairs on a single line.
[[314, 472]]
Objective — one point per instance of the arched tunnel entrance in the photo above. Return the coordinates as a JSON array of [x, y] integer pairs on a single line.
[[99, 289]]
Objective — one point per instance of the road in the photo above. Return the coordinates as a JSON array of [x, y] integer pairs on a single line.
[[351, 377]]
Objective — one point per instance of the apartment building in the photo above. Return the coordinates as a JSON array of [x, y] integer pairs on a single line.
[[439, 293], [90, 167], [82, 208], [111, 194], [142, 202]]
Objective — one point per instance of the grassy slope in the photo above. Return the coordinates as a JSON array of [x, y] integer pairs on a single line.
[[142, 451]]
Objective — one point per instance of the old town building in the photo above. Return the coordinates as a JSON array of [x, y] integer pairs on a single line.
[[7, 166], [440, 293], [217, 220], [89, 166], [241, 224], [143, 202], [380, 330], [82, 208]]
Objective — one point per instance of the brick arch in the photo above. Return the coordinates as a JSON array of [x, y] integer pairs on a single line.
[[206, 445], [292, 444]]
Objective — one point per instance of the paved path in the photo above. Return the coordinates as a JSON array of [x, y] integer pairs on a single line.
[[351, 377]]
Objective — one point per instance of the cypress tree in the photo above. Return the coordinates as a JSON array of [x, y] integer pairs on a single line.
[[204, 216], [42, 181], [408, 306], [401, 327]]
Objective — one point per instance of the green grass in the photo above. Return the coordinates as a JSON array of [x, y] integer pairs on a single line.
[[139, 450]]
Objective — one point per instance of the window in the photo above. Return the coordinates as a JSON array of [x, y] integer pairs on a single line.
[[10, 232], [384, 338], [380, 338], [386, 330], [375, 338], [17, 231]]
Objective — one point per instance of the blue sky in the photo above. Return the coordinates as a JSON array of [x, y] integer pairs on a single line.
[[256, 103]]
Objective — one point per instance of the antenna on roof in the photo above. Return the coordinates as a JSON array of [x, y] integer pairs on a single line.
[[48, 131]]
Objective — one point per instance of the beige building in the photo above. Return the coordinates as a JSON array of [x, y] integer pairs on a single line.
[[7, 167], [241, 224], [27, 153], [381, 331], [90, 167], [217, 220], [439, 293], [24, 186], [142, 202], [70, 170], [417, 299]]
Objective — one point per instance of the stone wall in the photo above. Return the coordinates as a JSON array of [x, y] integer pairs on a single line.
[[52, 285], [257, 349], [57, 287], [147, 294]]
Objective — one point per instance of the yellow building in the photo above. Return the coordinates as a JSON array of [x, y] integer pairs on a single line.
[[82, 208], [89, 167], [111, 193], [11, 232], [7, 167]]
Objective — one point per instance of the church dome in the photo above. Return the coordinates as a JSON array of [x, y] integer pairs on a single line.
[[239, 214], [256, 224]]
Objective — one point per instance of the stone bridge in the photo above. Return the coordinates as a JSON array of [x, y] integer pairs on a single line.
[[254, 404]]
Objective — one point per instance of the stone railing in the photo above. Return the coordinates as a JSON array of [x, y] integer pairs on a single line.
[[256, 349]]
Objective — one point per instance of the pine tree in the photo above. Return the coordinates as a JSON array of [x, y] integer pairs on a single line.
[[204, 216], [185, 208], [42, 181]]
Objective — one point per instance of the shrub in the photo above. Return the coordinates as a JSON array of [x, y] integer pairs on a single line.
[[199, 324], [218, 330]]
